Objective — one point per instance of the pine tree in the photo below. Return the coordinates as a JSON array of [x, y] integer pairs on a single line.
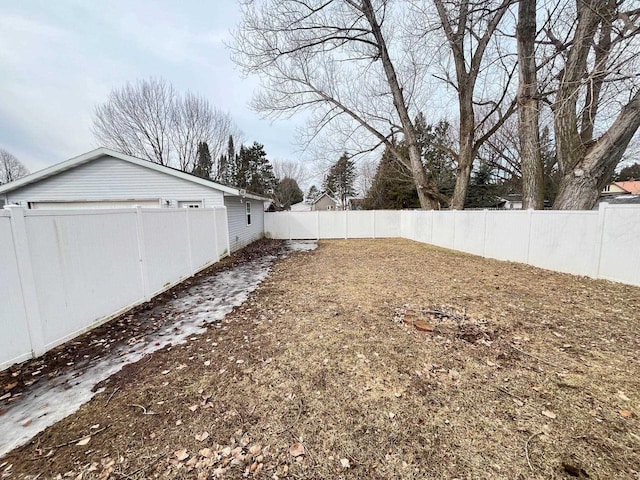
[[252, 170], [392, 188], [312, 194], [203, 162], [226, 164], [287, 192], [339, 182]]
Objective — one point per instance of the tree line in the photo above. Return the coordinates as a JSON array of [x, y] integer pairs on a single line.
[[365, 69]]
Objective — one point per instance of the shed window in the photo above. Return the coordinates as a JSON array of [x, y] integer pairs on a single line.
[[248, 204]]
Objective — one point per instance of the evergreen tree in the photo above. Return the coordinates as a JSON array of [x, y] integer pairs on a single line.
[[483, 191], [287, 192], [203, 161], [252, 170], [392, 187], [312, 194], [339, 182], [632, 172], [226, 164]]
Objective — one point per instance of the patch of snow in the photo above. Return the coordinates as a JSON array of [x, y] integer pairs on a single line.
[[302, 245], [206, 303]]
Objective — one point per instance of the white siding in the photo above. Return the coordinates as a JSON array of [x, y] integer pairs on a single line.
[[108, 178], [241, 234]]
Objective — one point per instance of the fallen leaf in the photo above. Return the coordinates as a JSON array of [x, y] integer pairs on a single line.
[[202, 437], [549, 414], [193, 408], [178, 422], [626, 413], [27, 423], [181, 454], [206, 452], [84, 441], [296, 449], [344, 463], [164, 372], [10, 386], [207, 363]]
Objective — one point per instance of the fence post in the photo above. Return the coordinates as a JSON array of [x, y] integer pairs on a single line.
[[318, 224], [602, 214], [189, 247], [27, 280], [142, 253]]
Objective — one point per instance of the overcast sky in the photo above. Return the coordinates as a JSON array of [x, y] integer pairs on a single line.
[[61, 58]]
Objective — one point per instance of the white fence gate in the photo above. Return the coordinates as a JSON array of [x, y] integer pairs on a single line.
[[600, 244], [63, 272]]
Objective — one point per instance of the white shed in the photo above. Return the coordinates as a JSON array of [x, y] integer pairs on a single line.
[[105, 178]]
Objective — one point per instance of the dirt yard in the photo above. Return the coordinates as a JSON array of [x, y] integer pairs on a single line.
[[514, 373]]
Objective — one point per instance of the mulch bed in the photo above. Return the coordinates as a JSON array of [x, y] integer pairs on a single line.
[[516, 372]]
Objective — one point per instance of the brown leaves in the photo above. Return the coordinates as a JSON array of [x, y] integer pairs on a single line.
[[181, 454], [202, 437], [549, 414], [626, 413]]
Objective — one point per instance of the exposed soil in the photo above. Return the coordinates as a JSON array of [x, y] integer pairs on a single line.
[[515, 372]]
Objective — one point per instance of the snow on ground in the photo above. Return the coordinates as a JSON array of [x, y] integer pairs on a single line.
[[207, 302]]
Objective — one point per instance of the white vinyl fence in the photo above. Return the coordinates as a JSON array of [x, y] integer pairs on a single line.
[[600, 244], [63, 272]]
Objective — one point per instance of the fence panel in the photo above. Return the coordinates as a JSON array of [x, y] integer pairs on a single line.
[[332, 224], [203, 237], [507, 235], [360, 224], [386, 223], [166, 243], [620, 254], [443, 229], [469, 228], [85, 267], [303, 225], [15, 345], [564, 241], [276, 224]]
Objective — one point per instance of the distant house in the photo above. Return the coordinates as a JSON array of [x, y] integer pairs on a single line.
[[323, 202], [512, 201], [104, 178], [622, 188]]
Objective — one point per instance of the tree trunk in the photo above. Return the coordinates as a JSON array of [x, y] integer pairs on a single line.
[[528, 113], [467, 151], [426, 186], [581, 186]]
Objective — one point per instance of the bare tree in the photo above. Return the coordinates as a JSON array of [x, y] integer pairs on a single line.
[[598, 68], [11, 169], [150, 120], [290, 169], [338, 60], [528, 109], [366, 173], [469, 27]]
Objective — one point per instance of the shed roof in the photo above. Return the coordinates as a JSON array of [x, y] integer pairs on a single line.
[[102, 151]]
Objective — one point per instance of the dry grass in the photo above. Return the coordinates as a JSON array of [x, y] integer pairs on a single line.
[[320, 355]]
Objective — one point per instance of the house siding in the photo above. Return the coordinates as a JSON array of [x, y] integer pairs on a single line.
[[324, 203], [241, 234], [108, 178]]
